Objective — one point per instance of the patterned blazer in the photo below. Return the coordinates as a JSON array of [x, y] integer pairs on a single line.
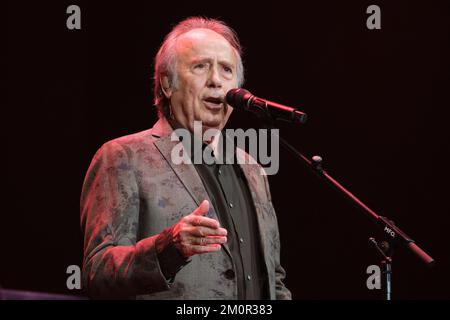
[[132, 192]]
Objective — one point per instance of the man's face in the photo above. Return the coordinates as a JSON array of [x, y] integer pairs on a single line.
[[206, 70]]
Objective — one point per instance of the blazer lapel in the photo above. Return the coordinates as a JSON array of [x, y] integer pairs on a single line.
[[251, 172]]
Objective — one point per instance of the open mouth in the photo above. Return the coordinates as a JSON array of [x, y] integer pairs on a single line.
[[213, 103]]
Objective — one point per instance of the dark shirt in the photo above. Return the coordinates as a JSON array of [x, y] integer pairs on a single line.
[[227, 188]]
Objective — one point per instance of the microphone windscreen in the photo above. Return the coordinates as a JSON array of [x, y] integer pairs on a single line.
[[238, 98]]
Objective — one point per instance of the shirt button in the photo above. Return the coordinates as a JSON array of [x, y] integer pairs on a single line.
[[241, 240], [249, 277], [231, 205]]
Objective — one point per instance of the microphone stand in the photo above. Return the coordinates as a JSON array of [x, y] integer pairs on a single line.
[[393, 234], [386, 264]]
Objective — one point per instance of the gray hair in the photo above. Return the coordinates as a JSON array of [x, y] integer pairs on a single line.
[[165, 60]]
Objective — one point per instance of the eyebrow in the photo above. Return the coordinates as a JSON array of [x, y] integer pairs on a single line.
[[205, 59]]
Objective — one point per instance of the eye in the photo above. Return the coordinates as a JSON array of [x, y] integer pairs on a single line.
[[227, 69], [200, 66]]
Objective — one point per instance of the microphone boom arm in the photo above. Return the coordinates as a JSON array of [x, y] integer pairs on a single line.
[[393, 232]]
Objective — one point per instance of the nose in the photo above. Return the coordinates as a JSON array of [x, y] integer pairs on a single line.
[[214, 80]]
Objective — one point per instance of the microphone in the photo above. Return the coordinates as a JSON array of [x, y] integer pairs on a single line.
[[242, 99]]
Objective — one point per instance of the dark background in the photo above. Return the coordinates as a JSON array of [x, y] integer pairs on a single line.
[[377, 102]]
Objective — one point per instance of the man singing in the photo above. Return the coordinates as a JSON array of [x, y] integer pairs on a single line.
[[156, 229]]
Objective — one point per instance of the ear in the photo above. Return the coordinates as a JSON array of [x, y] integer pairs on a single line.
[[165, 86]]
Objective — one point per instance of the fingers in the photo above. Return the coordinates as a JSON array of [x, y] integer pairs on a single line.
[[196, 217], [196, 249], [202, 208], [199, 231], [206, 241], [196, 234], [202, 221]]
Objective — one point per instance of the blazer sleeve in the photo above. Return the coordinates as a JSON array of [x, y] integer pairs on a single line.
[[114, 264]]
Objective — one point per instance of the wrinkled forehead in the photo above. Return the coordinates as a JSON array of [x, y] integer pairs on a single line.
[[204, 43]]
